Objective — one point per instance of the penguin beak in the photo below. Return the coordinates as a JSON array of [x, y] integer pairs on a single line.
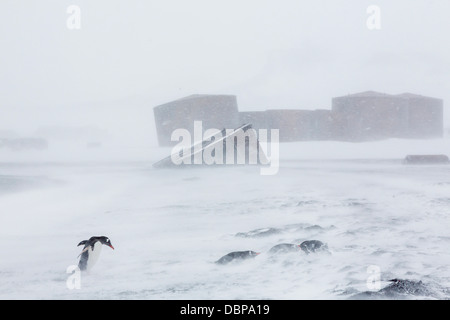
[[111, 246]]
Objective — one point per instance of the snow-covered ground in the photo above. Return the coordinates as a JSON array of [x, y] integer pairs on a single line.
[[169, 226]]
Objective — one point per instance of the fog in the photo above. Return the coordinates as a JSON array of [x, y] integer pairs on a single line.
[[90, 93], [127, 58]]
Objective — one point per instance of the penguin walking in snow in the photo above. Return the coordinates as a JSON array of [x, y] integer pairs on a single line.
[[237, 255], [91, 251]]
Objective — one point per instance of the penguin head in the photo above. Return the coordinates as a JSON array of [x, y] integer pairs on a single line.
[[253, 253], [105, 240]]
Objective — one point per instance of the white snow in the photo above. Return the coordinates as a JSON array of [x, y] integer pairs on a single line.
[[169, 226]]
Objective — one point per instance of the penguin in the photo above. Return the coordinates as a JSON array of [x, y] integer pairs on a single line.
[[237, 255], [91, 251], [284, 248], [310, 246]]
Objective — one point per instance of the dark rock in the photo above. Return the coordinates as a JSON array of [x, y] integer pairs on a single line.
[[237, 255], [311, 246], [284, 248], [259, 233], [398, 289]]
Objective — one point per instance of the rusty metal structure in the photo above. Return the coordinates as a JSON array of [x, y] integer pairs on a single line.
[[356, 117]]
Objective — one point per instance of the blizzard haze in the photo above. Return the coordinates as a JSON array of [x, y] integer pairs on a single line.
[[129, 57], [90, 93]]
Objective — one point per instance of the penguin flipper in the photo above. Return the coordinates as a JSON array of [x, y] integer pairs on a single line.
[[84, 250], [82, 243]]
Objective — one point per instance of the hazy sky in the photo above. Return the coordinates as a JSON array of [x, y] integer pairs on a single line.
[[131, 55]]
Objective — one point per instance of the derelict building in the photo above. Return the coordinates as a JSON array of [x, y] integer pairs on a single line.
[[216, 111], [372, 116], [357, 117]]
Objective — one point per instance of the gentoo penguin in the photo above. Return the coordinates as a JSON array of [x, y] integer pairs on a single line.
[[284, 248], [91, 251], [237, 255], [313, 246]]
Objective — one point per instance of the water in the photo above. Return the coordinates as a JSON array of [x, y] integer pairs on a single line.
[[169, 226]]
